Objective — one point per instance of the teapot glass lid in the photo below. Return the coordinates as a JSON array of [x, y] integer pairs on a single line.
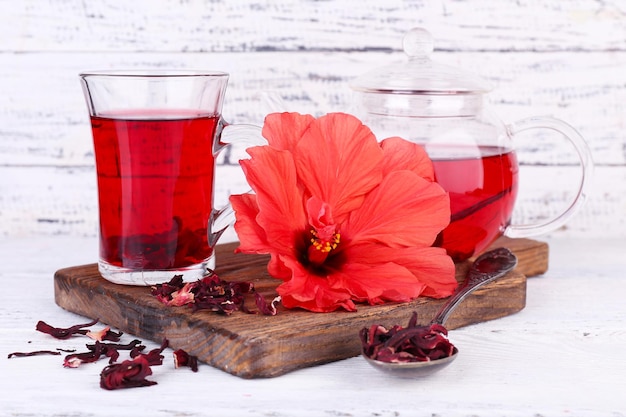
[[419, 75]]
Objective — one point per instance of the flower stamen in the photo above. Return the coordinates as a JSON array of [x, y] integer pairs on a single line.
[[325, 245], [320, 248]]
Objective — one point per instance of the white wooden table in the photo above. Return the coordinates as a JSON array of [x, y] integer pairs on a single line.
[[563, 355]]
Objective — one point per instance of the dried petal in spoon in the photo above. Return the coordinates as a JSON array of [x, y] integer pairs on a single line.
[[485, 269]]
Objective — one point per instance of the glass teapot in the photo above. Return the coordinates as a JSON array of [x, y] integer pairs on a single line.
[[444, 109]]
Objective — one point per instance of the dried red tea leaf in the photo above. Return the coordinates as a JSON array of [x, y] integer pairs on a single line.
[[209, 293], [136, 350], [220, 296], [99, 349], [163, 292], [182, 358], [33, 353], [268, 309], [105, 334], [74, 360], [111, 350], [64, 333], [154, 357], [411, 344], [134, 344], [127, 374], [182, 296]]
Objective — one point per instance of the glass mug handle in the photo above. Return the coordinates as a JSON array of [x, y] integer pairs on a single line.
[[228, 135], [584, 155]]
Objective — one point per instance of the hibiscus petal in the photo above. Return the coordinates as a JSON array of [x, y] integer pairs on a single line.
[[428, 265], [406, 210], [378, 282], [277, 269], [339, 161], [251, 236], [401, 154], [284, 130], [271, 174], [311, 292]]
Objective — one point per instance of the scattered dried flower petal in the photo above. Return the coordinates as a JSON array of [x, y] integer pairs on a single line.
[[105, 334], [268, 309], [98, 349], [154, 357], [182, 296], [127, 374], [33, 353], [120, 346], [74, 360], [182, 358], [411, 344], [209, 293], [163, 292], [64, 333]]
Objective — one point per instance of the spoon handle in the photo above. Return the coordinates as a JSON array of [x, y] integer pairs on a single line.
[[485, 269]]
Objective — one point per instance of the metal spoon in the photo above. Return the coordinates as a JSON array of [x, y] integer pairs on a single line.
[[486, 268]]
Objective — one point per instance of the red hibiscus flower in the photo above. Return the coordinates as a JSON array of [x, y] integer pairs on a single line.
[[345, 218]]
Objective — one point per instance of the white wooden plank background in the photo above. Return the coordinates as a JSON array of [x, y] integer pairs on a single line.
[[566, 58]]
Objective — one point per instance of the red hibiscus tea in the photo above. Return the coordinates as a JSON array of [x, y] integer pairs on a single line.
[[482, 191], [155, 180]]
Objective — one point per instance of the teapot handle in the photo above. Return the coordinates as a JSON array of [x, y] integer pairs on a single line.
[[586, 162]]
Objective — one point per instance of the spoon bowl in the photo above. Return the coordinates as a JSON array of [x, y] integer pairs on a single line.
[[485, 269], [412, 369]]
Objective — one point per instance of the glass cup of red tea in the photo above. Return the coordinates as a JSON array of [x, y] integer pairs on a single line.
[[156, 135], [473, 154]]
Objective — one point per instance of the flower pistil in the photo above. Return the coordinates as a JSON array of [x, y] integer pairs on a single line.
[[321, 245]]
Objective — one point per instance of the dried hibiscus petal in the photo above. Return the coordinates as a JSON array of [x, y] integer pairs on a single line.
[[64, 333], [220, 296], [268, 309], [154, 357], [127, 374], [74, 360], [164, 291], [98, 349], [209, 293], [182, 358], [33, 353], [119, 346], [105, 334], [182, 296], [411, 344]]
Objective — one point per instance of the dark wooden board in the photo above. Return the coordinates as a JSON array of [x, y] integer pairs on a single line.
[[249, 345]]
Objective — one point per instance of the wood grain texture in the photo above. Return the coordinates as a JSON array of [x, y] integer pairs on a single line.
[[250, 346], [520, 365]]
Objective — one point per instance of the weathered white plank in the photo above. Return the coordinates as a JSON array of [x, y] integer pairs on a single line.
[[44, 119], [549, 57], [243, 25], [63, 200]]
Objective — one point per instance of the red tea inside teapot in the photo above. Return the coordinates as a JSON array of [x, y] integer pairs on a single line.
[[443, 109]]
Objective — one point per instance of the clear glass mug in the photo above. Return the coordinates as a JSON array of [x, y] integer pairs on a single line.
[[156, 135]]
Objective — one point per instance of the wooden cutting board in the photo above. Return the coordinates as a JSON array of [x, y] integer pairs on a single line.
[[249, 345]]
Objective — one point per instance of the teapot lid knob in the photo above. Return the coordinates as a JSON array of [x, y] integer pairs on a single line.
[[420, 75], [418, 42]]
